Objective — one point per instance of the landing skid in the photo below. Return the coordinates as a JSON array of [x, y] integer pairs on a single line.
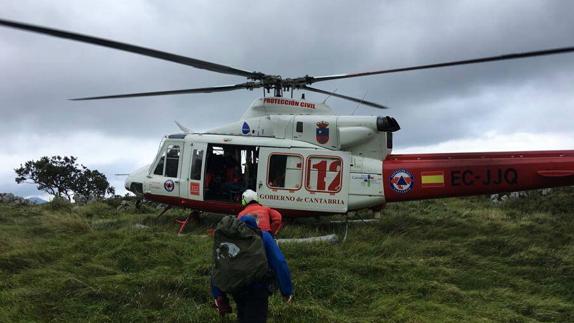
[[167, 208], [193, 216], [330, 238]]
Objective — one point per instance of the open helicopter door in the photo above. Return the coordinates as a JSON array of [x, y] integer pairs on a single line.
[[304, 179], [193, 175]]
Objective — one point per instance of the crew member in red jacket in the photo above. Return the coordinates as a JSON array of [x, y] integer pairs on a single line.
[[267, 218]]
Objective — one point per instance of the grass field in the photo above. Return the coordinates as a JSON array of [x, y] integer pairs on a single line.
[[440, 260]]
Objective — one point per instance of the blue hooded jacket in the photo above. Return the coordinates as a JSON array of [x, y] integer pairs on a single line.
[[275, 260]]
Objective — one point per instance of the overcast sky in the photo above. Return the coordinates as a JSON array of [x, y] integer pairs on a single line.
[[514, 105]]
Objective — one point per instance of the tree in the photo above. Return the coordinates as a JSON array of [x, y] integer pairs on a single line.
[[63, 177], [92, 183]]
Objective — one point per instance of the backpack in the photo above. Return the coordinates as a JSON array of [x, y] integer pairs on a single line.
[[238, 255]]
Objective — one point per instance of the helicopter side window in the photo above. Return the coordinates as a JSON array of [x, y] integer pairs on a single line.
[[285, 171], [172, 161], [196, 161]]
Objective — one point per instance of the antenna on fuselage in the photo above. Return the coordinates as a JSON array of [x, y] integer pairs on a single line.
[[359, 104]]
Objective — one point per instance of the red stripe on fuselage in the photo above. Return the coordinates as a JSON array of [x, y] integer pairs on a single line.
[[479, 173]]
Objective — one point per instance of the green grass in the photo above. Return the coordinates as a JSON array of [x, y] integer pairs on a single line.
[[439, 260]]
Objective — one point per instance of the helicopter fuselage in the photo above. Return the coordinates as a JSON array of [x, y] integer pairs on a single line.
[[209, 173], [305, 161]]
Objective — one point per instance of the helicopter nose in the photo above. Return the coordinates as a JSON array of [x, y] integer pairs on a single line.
[[134, 187], [134, 181], [127, 183]]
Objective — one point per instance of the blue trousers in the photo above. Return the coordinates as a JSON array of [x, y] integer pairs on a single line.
[[252, 304]]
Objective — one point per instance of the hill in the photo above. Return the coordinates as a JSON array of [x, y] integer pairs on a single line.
[[438, 260], [36, 200]]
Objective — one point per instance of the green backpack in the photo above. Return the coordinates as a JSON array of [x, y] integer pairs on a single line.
[[238, 255]]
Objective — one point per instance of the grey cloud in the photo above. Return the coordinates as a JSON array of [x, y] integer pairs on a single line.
[[290, 38]]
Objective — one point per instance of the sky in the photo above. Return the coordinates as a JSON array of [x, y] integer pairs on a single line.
[[513, 105]]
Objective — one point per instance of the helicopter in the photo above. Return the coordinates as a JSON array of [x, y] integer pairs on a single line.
[[305, 160]]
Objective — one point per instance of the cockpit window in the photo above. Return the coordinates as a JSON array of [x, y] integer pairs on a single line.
[[172, 161], [169, 162], [159, 168]]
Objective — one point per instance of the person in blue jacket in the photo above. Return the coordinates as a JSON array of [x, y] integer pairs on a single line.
[[252, 302]]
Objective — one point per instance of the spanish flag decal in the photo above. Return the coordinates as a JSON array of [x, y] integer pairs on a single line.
[[432, 179]]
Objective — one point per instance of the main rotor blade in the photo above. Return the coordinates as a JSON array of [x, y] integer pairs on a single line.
[[371, 104], [545, 52], [205, 65], [225, 88]]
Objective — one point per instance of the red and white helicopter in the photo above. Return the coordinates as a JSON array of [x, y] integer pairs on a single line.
[[304, 160]]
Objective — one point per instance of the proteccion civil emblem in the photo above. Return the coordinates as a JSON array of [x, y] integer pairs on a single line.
[[402, 181], [322, 132], [169, 185]]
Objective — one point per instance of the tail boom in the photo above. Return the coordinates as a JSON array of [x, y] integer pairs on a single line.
[[424, 176]]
